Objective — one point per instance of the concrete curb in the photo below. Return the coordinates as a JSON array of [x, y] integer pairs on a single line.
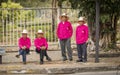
[[61, 70], [102, 55]]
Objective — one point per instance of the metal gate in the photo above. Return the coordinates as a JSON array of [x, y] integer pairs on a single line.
[[13, 21]]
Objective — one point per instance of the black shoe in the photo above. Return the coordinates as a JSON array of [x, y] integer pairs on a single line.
[[84, 61], [41, 62], [79, 60], [49, 59], [64, 59], [17, 56], [70, 59], [24, 63]]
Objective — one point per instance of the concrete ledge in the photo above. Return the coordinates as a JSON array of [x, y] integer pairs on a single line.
[[60, 70]]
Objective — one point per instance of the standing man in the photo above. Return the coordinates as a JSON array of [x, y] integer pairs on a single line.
[[81, 39], [64, 33]]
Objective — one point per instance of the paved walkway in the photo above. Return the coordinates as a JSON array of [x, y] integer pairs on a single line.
[[11, 64]]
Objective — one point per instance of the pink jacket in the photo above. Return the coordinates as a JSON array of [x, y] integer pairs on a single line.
[[81, 34], [64, 31], [24, 42], [39, 42]]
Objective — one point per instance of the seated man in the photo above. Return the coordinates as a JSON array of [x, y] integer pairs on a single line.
[[24, 45]]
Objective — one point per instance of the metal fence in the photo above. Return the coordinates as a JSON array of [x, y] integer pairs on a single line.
[[13, 21]]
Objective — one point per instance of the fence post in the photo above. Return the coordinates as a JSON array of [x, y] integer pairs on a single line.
[[0, 59], [58, 20], [97, 31]]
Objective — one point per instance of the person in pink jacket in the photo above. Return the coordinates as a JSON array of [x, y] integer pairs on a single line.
[[64, 33], [41, 46], [81, 39], [24, 45]]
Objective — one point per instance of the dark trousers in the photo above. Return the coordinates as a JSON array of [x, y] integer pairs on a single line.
[[82, 51], [42, 54], [66, 43]]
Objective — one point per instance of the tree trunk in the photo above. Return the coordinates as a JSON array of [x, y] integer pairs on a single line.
[[114, 31], [105, 35]]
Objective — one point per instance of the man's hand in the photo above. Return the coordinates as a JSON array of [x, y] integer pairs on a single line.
[[24, 47], [43, 48]]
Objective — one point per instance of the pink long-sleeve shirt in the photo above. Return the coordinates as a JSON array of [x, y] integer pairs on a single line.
[[24, 42], [64, 30], [39, 42], [81, 34]]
